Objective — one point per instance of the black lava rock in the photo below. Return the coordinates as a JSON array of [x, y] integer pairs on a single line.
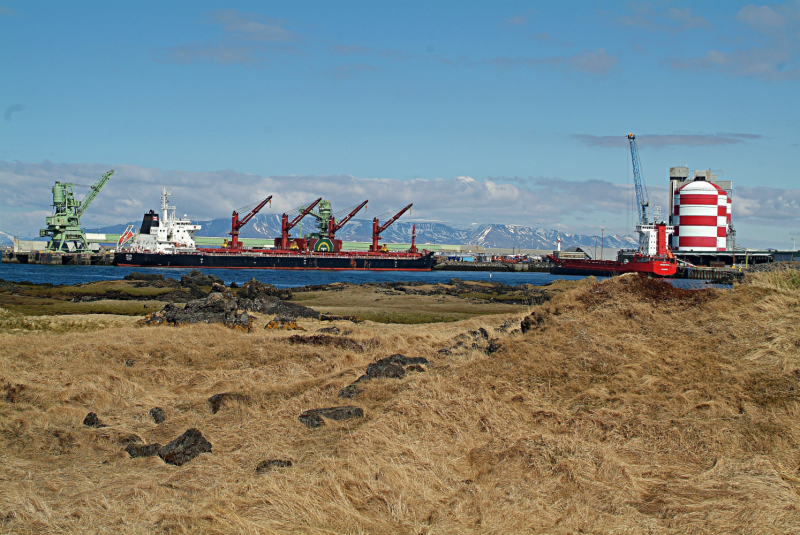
[[253, 289], [198, 278], [313, 418], [92, 420], [142, 450], [394, 366], [185, 448], [157, 413], [265, 466], [350, 391]]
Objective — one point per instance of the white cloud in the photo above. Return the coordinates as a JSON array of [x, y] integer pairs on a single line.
[[460, 200]]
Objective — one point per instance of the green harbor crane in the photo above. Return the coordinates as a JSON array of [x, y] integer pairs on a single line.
[[64, 226]]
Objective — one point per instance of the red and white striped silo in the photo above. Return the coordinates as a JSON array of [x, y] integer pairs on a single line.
[[701, 215]]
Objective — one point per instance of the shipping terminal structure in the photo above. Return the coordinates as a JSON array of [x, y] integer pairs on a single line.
[[653, 257], [167, 241]]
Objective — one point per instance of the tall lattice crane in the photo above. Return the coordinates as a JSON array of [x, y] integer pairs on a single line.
[[642, 200], [64, 226]]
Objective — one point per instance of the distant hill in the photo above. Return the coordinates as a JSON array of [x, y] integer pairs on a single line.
[[493, 235]]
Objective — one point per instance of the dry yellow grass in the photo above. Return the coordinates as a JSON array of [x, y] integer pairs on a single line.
[[626, 409]]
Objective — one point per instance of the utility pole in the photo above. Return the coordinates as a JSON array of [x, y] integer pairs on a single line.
[[595, 247], [602, 239], [794, 248]]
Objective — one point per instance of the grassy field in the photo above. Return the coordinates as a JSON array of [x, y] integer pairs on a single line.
[[48, 300], [627, 407], [368, 304]]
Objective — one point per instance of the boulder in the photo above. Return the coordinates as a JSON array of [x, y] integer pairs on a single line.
[[254, 289], [198, 278], [394, 366], [314, 418], [216, 308], [92, 420], [157, 413], [326, 340], [185, 448]]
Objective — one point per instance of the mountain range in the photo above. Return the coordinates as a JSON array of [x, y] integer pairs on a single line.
[[360, 230]]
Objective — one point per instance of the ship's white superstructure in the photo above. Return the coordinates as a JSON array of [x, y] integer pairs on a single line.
[[167, 235]]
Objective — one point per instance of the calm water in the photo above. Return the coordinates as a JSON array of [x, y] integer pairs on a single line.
[[280, 278]]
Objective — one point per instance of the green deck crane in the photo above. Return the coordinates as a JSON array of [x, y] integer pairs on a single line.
[[64, 226]]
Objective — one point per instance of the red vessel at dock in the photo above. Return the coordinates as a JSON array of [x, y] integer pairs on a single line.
[[665, 267], [653, 239]]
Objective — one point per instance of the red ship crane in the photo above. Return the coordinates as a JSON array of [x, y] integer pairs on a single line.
[[334, 227], [237, 224], [378, 229], [286, 226]]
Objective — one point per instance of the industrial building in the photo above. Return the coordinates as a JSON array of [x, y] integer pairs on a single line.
[[700, 211]]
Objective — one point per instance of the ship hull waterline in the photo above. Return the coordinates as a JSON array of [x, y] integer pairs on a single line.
[[608, 268], [289, 261]]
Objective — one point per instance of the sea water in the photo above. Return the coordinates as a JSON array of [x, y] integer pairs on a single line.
[[37, 273]]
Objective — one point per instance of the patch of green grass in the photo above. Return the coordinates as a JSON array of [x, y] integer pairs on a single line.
[[39, 306], [95, 288]]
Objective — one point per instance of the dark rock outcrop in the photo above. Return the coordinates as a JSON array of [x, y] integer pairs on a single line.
[[392, 367], [157, 413], [142, 450], [534, 321], [185, 448], [329, 330], [350, 391], [254, 289], [265, 466], [92, 420], [216, 308], [326, 340], [314, 418], [197, 278]]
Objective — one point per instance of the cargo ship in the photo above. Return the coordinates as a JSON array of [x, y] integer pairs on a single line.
[[653, 257], [167, 241]]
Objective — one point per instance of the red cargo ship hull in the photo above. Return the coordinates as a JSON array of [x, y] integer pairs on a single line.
[[661, 267]]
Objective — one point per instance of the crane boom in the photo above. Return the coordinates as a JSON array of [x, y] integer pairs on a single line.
[[302, 214], [237, 224], [395, 218], [342, 222], [286, 225], [253, 212], [93, 192], [377, 228], [641, 193]]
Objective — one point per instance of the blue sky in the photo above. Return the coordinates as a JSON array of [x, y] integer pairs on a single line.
[[528, 102]]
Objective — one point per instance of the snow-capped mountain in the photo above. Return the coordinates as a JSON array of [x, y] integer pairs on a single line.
[[491, 236]]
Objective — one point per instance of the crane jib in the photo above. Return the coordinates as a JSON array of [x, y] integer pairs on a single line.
[[641, 193]]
